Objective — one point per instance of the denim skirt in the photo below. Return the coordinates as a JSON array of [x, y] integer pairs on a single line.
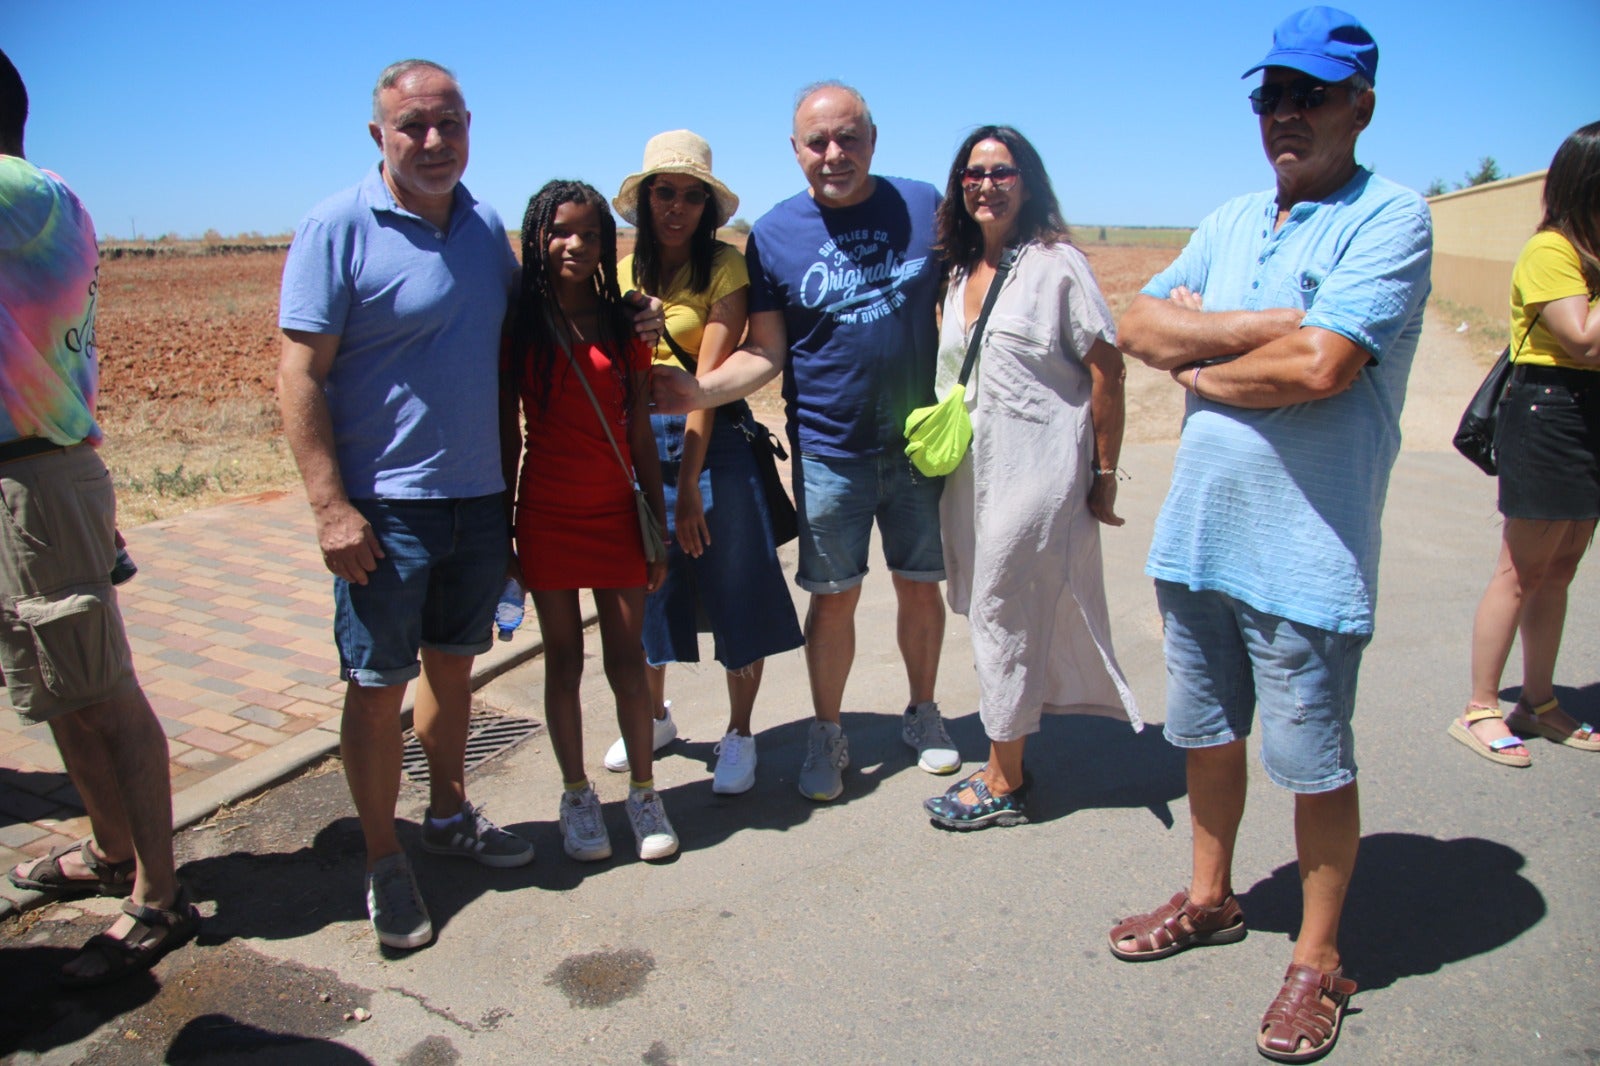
[[736, 589], [1547, 441]]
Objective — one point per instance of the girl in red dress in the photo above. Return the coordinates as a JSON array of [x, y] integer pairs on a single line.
[[576, 523]]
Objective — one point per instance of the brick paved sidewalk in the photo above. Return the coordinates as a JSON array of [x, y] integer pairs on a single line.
[[230, 623]]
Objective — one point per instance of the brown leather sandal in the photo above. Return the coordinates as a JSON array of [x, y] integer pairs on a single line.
[[1176, 925], [1302, 1024], [46, 874], [165, 929]]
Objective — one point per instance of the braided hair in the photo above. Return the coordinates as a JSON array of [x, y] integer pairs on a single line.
[[539, 325]]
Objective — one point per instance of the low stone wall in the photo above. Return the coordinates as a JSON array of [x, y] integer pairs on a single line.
[[1477, 234]]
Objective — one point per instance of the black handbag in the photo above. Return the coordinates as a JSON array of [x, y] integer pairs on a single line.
[[1475, 435], [766, 451]]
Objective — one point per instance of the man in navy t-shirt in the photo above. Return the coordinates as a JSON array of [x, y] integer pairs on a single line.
[[843, 284]]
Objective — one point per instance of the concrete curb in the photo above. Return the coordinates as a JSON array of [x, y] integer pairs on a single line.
[[284, 760]]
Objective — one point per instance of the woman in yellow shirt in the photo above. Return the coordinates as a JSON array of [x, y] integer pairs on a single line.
[[722, 564], [1548, 444]]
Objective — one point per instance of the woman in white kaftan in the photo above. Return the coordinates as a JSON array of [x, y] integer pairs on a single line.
[[1021, 515]]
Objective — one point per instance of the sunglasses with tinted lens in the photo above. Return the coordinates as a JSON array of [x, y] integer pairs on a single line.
[[1004, 177], [1305, 93], [665, 194]]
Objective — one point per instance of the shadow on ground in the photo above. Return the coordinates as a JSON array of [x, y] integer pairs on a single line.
[[1400, 919]]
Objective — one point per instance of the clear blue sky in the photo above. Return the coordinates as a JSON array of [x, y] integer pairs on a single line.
[[178, 116]]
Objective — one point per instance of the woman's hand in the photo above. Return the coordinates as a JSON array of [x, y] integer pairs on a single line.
[[655, 574], [694, 536], [1103, 499]]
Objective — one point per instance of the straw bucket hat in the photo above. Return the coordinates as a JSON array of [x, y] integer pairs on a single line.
[[675, 152]]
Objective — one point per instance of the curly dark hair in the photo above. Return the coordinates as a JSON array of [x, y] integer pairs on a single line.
[[1039, 218], [539, 324], [1572, 199], [647, 251]]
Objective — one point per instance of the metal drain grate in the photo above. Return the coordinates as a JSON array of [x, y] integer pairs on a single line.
[[488, 735]]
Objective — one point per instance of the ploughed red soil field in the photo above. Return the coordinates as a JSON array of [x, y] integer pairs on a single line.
[[200, 328]]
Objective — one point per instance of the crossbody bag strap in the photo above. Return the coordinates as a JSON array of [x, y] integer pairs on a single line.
[[1008, 257], [1533, 322], [583, 380], [690, 363]]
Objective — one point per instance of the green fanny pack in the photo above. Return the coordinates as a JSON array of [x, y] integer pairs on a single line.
[[938, 436]]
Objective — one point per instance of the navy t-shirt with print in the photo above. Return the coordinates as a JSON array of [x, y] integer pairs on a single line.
[[857, 287]]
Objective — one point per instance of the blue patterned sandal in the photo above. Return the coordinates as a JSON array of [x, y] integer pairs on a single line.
[[948, 812]]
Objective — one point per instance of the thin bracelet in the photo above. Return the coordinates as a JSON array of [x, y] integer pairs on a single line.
[[1108, 472], [1194, 382]]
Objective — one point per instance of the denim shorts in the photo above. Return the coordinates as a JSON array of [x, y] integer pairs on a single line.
[[1225, 657], [62, 644], [736, 587], [436, 586], [1547, 441], [838, 499]]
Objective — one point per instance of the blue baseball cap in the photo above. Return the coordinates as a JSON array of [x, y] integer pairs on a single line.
[[1324, 42]]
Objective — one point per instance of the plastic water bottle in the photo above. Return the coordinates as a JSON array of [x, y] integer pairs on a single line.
[[123, 570], [509, 611]]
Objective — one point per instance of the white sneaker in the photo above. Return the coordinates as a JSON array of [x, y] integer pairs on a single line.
[[666, 732], [827, 754], [583, 827], [923, 729], [650, 826], [736, 765]]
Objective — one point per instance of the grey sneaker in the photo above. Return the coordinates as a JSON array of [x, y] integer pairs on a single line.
[[827, 754], [395, 904], [736, 765], [471, 835], [650, 826], [666, 731], [583, 827], [923, 729]]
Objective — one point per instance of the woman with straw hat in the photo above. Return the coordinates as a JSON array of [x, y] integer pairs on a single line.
[[722, 564]]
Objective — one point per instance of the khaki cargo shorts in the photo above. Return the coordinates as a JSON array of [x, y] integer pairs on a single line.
[[62, 645]]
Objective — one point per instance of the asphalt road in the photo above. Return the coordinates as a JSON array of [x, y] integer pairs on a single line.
[[792, 932]]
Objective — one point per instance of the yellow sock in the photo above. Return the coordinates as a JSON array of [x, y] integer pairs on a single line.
[[576, 786], [647, 783]]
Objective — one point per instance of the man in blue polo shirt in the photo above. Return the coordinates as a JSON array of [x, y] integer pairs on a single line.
[[1291, 318], [393, 297]]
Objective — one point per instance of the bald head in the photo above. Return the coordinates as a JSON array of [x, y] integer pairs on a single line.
[[833, 142]]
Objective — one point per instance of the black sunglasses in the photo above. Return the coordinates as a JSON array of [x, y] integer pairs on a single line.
[[1307, 94], [1004, 177], [665, 194]]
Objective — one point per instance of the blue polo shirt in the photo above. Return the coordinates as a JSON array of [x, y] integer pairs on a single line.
[[418, 312], [1280, 508]]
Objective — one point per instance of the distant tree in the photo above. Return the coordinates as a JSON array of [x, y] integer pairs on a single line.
[[740, 225], [1436, 187], [1488, 170], [1102, 235]]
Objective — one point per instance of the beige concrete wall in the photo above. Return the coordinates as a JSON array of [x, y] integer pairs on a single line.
[[1477, 234]]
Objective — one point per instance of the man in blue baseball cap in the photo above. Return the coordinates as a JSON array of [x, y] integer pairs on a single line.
[[1291, 319]]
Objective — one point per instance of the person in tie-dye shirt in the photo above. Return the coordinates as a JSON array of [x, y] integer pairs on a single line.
[[63, 650]]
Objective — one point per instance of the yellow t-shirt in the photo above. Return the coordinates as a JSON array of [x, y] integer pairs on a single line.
[[686, 311], [1548, 269]]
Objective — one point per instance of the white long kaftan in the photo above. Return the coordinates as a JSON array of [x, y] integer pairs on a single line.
[[1021, 550]]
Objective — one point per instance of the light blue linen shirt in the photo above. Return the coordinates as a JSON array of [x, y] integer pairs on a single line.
[[413, 392], [1281, 508]]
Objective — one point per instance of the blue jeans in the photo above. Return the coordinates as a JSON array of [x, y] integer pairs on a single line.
[[838, 499], [736, 585], [1224, 658], [436, 586]]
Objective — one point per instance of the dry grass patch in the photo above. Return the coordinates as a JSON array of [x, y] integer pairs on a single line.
[[168, 457]]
